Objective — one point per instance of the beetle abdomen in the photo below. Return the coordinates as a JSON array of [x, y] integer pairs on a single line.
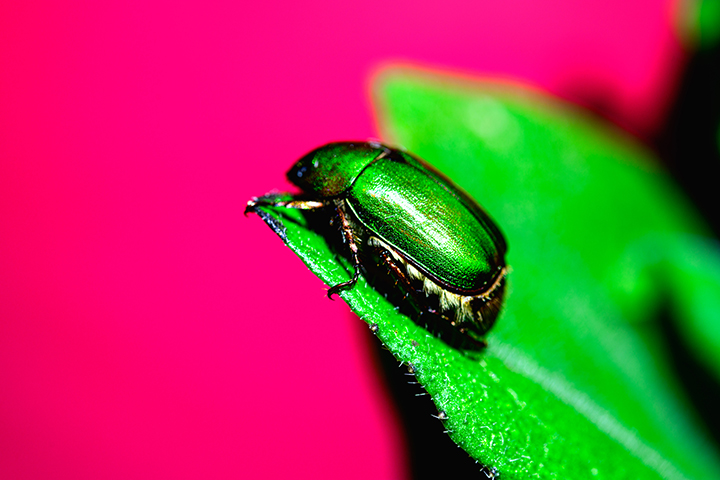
[[476, 311]]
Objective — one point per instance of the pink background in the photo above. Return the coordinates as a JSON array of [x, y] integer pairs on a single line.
[[147, 329]]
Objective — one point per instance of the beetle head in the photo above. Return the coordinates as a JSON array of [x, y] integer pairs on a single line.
[[330, 170]]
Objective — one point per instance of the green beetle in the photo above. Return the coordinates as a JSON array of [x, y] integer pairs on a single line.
[[443, 249]]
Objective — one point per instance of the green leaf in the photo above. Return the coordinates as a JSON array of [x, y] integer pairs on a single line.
[[575, 382]]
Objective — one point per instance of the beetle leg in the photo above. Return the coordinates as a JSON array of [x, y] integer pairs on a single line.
[[402, 276], [350, 240], [393, 266], [297, 204]]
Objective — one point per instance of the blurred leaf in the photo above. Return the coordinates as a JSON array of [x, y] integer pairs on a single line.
[[575, 382]]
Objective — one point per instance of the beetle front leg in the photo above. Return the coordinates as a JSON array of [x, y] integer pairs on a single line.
[[350, 240], [255, 202]]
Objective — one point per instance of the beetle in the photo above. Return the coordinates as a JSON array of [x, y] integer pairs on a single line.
[[436, 241]]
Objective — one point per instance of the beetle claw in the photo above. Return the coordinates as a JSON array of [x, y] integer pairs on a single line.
[[334, 290], [337, 288], [342, 286], [250, 207]]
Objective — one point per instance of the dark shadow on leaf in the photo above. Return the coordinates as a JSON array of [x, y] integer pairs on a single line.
[[688, 144], [698, 381]]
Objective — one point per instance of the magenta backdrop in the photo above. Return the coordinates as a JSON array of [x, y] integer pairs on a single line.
[[147, 329]]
